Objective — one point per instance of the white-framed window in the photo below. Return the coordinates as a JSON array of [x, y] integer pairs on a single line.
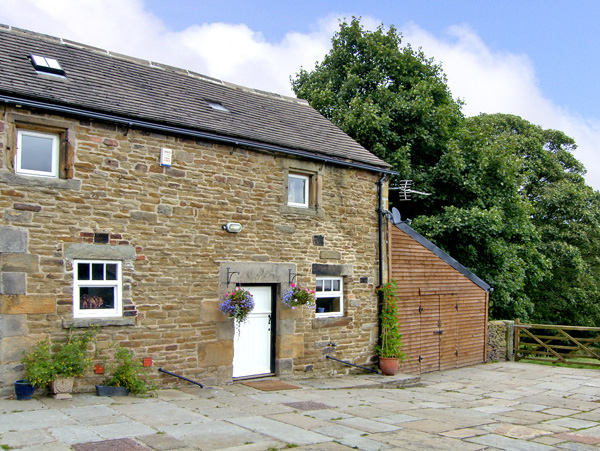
[[37, 153], [298, 190], [329, 296], [97, 289]]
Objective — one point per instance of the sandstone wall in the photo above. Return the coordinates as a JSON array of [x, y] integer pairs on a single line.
[[167, 225]]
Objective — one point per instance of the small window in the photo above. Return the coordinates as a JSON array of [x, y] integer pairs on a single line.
[[37, 153], [46, 64], [217, 106], [298, 190], [329, 295], [97, 289]]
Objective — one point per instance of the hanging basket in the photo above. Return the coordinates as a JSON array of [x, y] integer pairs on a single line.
[[237, 305]]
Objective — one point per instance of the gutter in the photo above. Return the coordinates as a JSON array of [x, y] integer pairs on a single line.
[[255, 145]]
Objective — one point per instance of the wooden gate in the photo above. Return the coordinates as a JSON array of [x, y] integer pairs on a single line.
[[443, 306], [570, 345]]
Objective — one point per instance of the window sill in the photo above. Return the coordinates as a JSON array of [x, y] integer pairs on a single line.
[[46, 182], [331, 321], [311, 211], [102, 322]]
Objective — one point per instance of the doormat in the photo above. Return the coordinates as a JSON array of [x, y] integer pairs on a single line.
[[121, 444], [271, 385], [307, 405]]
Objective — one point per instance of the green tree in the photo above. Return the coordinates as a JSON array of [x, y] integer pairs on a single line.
[[508, 201], [511, 204], [478, 215], [391, 99]]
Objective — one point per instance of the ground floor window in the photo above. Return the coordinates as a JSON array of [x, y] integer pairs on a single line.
[[97, 289], [329, 295]]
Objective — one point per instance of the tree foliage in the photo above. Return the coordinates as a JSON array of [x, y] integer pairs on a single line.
[[509, 200], [391, 99]]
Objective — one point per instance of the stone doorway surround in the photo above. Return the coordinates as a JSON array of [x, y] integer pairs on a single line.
[[287, 343]]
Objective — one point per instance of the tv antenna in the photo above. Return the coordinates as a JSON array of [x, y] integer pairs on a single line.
[[405, 188]]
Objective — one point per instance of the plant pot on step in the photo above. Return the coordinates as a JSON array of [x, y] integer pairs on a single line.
[[388, 365], [23, 389], [108, 390], [62, 387]]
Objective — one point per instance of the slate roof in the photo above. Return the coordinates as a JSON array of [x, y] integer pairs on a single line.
[[98, 81]]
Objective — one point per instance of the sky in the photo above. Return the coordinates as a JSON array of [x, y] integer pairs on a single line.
[[538, 59]]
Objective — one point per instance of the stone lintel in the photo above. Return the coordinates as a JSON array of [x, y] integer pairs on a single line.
[[99, 252], [320, 269]]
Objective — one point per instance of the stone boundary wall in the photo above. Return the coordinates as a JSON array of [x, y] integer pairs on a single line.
[[500, 342]]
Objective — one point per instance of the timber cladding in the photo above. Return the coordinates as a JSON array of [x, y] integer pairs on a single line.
[[443, 307]]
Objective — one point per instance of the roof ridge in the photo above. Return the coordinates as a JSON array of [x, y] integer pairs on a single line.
[[153, 64]]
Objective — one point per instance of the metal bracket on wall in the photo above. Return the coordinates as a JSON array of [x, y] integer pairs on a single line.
[[291, 277], [230, 275]]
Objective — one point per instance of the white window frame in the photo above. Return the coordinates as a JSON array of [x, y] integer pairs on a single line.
[[117, 310], [306, 180], [54, 153], [330, 294]]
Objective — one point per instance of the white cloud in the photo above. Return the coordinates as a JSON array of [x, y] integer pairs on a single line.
[[488, 81], [501, 82]]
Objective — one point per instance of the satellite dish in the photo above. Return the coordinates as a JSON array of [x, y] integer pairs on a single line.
[[396, 218]]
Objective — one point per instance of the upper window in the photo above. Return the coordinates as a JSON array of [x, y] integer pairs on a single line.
[[298, 190], [329, 295], [37, 153], [97, 289]]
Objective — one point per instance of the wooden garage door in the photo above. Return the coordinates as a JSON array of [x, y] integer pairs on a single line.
[[438, 333]]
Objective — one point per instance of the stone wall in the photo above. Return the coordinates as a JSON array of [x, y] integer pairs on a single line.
[[165, 223], [500, 344]]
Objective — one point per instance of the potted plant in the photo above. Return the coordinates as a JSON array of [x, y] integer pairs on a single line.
[[296, 295], [389, 348], [57, 365], [237, 305], [124, 374], [24, 389]]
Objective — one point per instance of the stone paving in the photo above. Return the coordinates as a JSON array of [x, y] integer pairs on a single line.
[[499, 406]]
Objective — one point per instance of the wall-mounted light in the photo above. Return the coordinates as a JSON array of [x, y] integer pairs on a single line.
[[233, 227]]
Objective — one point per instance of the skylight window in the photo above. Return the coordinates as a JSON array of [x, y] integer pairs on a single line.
[[46, 64], [217, 106]]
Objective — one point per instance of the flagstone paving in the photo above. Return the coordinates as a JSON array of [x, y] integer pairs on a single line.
[[500, 406]]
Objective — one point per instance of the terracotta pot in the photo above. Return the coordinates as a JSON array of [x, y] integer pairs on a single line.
[[388, 365]]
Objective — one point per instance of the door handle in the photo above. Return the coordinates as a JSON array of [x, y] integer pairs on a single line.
[[269, 319], [438, 332]]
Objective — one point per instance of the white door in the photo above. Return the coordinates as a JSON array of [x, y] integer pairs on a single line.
[[252, 344]]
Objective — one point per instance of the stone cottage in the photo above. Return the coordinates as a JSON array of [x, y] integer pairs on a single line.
[[134, 195]]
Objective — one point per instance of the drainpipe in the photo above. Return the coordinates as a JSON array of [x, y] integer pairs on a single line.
[[380, 212]]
